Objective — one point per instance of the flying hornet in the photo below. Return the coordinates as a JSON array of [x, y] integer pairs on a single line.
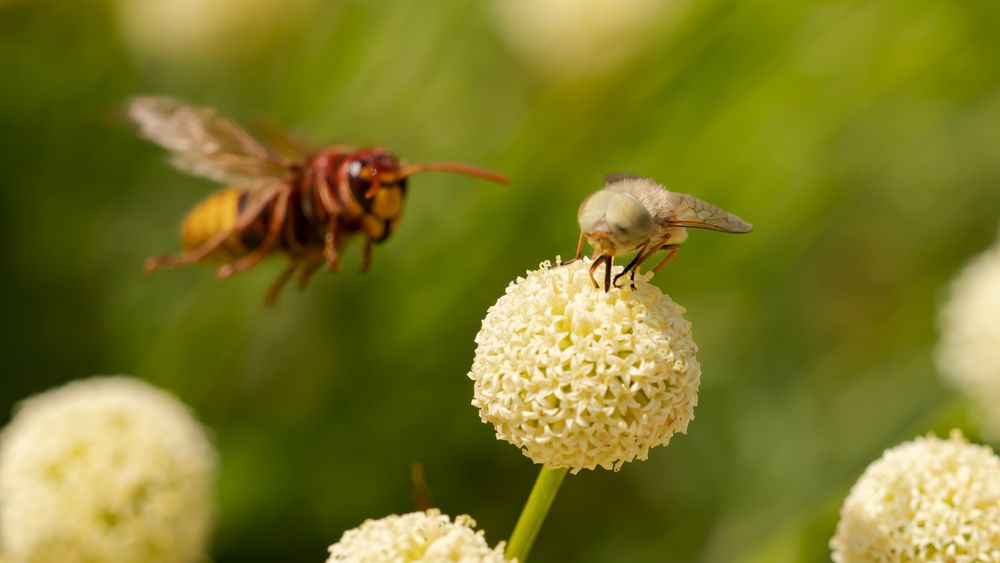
[[305, 205]]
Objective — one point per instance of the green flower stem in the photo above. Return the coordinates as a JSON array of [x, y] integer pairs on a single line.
[[535, 510]]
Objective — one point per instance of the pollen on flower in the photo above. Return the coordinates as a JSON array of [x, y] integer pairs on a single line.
[[579, 378], [107, 469], [969, 348], [925, 500], [429, 537]]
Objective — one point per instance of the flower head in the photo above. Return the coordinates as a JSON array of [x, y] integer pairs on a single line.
[[108, 469], [582, 37], [969, 349], [429, 537], [925, 500], [577, 377], [191, 33]]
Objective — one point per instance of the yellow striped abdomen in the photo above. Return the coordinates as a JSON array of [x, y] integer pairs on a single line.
[[215, 214]]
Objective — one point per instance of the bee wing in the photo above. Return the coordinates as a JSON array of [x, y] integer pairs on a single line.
[[616, 177], [689, 211], [203, 142]]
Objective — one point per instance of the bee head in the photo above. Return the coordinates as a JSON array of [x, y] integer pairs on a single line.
[[614, 222]]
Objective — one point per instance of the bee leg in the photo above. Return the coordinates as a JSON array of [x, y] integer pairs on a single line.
[[607, 273], [631, 277], [309, 267], [366, 260], [210, 245], [579, 251], [273, 233], [671, 252], [280, 283], [633, 266], [593, 267]]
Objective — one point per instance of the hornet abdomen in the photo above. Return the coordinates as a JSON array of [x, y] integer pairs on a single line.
[[216, 214]]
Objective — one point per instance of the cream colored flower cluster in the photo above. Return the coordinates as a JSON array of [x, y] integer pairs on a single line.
[[429, 537], [577, 377], [579, 37], [925, 500], [105, 470], [187, 33], [969, 350]]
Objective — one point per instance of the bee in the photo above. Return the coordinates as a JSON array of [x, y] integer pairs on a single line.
[[633, 213], [304, 203]]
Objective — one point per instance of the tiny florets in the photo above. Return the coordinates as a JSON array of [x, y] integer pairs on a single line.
[[427, 537], [108, 470], [925, 500], [578, 377], [969, 349]]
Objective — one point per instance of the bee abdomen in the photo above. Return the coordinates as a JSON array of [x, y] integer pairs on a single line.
[[215, 214]]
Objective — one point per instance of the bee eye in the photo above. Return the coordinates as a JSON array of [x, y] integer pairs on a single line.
[[628, 219], [354, 168], [619, 228]]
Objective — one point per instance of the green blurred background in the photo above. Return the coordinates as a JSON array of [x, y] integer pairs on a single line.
[[861, 139]]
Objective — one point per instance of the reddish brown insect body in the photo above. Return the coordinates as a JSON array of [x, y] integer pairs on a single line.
[[306, 208]]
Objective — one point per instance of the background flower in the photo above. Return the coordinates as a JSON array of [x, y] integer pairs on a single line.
[[969, 349], [577, 37], [925, 500], [194, 33], [577, 377], [105, 470], [418, 536]]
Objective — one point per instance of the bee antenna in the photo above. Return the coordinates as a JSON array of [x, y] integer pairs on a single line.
[[455, 167]]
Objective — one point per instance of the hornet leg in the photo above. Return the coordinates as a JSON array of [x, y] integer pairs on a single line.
[[280, 283], [309, 267], [366, 260], [330, 248], [209, 246], [273, 232]]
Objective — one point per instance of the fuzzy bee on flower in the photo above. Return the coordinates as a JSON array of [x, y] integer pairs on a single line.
[[636, 214], [303, 202]]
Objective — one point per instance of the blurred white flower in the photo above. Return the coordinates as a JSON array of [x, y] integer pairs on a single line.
[[925, 500], [429, 537], [105, 470], [969, 349], [198, 32], [577, 377], [581, 37]]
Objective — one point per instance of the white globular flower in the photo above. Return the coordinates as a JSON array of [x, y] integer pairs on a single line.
[[577, 377], [582, 37], [105, 470], [429, 537], [969, 349], [186, 33], [926, 500]]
